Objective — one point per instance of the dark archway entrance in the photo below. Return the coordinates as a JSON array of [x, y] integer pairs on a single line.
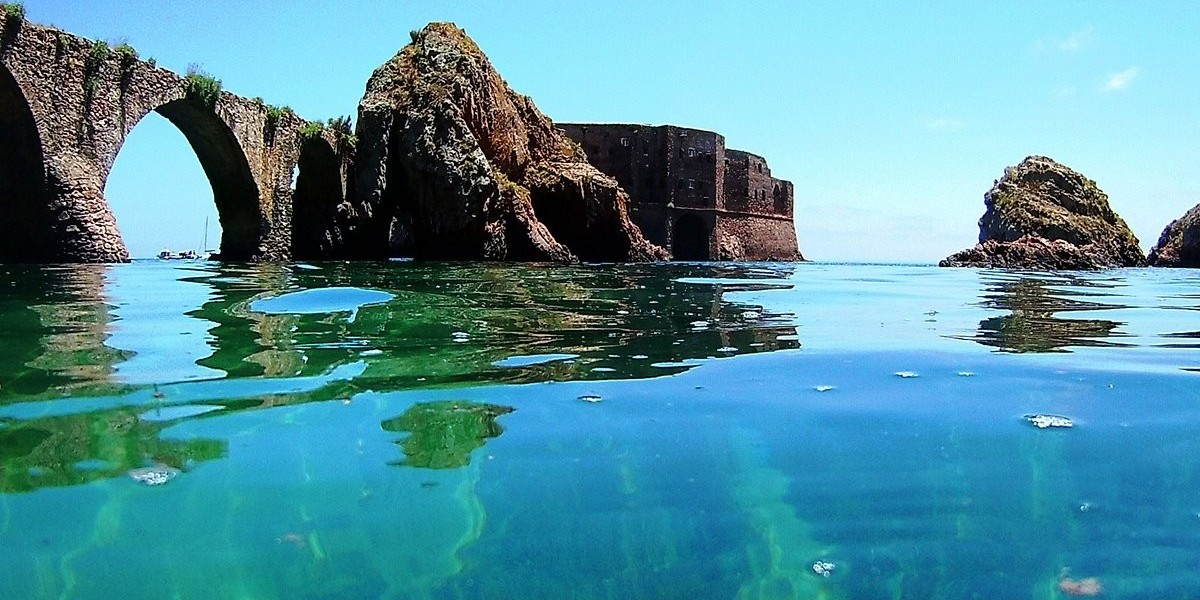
[[690, 239], [22, 177], [315, 231]]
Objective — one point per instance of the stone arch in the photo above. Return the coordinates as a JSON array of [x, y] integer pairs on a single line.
[[224, 161], [690, 238], [22, 174], [315, 201]]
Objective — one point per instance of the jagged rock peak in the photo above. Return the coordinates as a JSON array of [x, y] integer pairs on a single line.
[[462, 167], [1179, 244], [1041, 199]]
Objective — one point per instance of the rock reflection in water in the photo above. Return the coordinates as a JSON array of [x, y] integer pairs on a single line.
[[53, 329], [617, 321], [1033, 324], [442, 435], [76, 449]]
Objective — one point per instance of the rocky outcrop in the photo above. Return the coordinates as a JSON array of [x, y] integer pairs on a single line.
[[458, 166], [1179, 244], [1043, 215]]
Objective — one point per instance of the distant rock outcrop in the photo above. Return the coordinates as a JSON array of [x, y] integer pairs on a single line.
[[1179, 244], [459, 166], [1043, 215]]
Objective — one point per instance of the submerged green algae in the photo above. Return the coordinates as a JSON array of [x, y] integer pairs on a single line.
[[442, 435]]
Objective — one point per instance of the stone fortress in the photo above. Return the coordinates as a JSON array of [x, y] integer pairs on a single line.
[[691, 194]]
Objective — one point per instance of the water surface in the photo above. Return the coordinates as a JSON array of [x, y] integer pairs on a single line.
[[405, 430]]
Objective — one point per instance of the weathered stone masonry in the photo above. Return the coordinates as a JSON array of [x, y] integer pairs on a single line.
[[691, 194], [65, 112]]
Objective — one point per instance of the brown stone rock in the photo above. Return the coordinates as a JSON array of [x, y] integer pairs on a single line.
[[1179, 244], [459, 166], [1028, 252], [1043, 215]]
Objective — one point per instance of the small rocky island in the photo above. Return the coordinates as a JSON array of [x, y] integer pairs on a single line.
[[1043, 215], [1179, 244], [458, 166]]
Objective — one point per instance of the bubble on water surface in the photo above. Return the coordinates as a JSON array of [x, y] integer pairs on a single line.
[[156, 475], [1049, 421], [823, 568]]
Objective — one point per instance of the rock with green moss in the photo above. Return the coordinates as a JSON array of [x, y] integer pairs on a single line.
[[1179, 244], [458, 166], [1044, 215]]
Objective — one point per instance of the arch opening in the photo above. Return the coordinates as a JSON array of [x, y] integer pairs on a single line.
[[689, 240], [315, 224], [22, 177], [235, 193], [159, 194]]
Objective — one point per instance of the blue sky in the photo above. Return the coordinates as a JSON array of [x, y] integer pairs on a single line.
[[892, 118]]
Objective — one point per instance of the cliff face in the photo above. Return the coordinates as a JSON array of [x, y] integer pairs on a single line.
[[1044, 215], [458, 166], [1179, 244]]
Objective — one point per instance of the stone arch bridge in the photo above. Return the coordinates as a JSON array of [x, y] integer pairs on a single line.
[[65, 111]]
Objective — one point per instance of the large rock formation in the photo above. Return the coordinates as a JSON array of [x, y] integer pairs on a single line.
[[1179, 244], [1043, 215], [458, 166]]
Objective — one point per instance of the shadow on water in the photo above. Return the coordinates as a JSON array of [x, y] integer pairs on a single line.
[[447, 325], [1035, 302]]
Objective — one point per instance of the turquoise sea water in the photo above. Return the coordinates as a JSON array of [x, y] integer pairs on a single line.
[[405, 430]]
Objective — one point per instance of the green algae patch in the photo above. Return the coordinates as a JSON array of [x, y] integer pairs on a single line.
[[443, 434]]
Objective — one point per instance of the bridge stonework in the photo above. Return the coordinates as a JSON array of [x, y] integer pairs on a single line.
[[65, 112]]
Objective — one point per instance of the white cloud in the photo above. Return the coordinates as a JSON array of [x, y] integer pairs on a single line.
[[1077, 41], [1121, 79], [1071, 44], [944, 124]]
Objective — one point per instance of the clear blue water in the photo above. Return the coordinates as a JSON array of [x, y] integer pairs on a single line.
[[405, 430]]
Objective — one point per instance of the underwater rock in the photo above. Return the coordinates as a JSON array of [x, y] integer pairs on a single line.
[[156, 475], [1043, 215], [590, 398], [1179, 244], [1047, 421], [456, 165]]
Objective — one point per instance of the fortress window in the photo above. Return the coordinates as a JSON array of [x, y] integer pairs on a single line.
[[760, 167], [691, 153], [625, 142], [691, 184]]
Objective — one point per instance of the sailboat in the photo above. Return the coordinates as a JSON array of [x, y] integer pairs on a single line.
[[167, 254]]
